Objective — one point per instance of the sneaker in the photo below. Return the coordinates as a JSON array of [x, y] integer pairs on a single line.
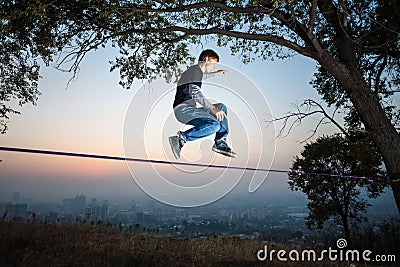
[[176, 145], [223, 148]]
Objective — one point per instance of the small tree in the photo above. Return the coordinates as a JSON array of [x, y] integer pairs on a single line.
[[333, 197]]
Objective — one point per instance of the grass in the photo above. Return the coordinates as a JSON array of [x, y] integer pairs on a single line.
[[37, 244]]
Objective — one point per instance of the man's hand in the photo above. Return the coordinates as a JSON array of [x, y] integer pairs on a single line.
[[220, 72], [219, 114]]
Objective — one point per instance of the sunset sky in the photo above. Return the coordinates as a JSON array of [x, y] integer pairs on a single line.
[[95, 115]]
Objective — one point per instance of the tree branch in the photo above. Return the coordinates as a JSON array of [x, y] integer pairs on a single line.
[[381, 69], [210, 31], [330, 13], [266, 8], [75, 54], [303, 113], [312, 17]]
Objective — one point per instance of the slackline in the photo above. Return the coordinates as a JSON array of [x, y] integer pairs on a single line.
[[107, 157]]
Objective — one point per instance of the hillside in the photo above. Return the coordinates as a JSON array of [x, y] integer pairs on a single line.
[[38, 244]]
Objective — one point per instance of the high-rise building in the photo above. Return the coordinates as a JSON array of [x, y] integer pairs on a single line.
[[75, 205], [103, 210], [80, 202], [16, 198], [98, 212], [133, 206]]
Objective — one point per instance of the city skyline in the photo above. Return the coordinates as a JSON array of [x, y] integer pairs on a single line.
[[233, 215]]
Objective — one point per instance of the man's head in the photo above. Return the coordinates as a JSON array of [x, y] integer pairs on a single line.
[[208, 54], [208, 59]]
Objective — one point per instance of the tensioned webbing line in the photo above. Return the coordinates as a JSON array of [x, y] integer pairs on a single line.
[[81, 155]]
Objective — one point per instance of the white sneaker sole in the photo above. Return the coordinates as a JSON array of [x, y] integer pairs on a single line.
[[224, 153]]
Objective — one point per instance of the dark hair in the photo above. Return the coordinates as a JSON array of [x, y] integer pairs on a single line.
[[208, 53]]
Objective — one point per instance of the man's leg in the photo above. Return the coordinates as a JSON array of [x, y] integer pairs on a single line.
[[223, 132], [220, 145], [204, 124], [203, 127]]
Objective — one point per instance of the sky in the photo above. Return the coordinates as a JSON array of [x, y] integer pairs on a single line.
[[95, 115]]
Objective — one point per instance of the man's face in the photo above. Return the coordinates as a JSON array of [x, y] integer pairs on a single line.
[[210, 64]]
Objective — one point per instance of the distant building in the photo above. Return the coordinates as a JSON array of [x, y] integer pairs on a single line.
[[140, 217], [194, 218], [75, 205], [133, 206], [16, 211], [16, 198], [80, 202], [98, 212]]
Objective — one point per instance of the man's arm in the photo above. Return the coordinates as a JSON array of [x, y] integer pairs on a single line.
[[212, 74], [219, 114], [197, 95]]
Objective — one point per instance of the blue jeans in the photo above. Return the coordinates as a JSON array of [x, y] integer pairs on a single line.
[[204, 122]]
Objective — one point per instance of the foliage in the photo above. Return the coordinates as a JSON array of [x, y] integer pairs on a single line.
[[30, 32], [154, 37], [337, 198], [374, 28]]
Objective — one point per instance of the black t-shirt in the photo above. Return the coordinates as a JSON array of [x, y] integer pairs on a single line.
[[189, 86]]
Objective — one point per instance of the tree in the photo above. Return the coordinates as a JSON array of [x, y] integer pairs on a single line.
[[354, 43], [338, 198]]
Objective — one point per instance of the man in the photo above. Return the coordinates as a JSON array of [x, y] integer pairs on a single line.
[[207, 119]]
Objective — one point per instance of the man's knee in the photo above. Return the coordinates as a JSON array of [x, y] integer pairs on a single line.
[[215, 125]]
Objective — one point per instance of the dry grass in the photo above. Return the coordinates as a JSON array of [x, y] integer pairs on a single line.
[[35, 244]]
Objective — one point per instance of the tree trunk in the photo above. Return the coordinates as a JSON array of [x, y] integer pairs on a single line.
[[374, 118], [346, 229], [381, 130]]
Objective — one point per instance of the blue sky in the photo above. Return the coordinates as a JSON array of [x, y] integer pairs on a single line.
[[90, 116]]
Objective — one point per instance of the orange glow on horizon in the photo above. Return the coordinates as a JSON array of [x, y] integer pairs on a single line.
[[62, 166]]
